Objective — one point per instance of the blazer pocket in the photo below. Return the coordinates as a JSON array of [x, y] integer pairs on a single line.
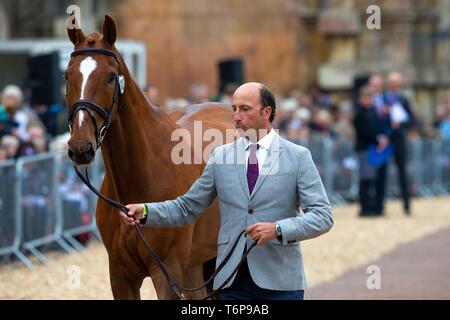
[[277, 242], [224, 238]]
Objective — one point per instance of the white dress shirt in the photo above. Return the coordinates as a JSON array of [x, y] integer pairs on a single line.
[[261, 152]]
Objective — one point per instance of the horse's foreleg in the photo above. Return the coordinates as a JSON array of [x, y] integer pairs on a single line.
[[124, 285], [162, 287], [193, 278]]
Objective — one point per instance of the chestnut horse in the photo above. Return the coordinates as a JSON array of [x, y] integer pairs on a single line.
[[136, 150]]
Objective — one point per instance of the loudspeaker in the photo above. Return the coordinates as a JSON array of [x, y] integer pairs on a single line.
[[230, 71], [45, 79]]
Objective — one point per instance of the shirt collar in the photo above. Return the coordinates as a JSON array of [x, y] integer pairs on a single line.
[[264, 142]]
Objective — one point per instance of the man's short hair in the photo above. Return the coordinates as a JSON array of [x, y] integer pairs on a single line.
[[267, 99]]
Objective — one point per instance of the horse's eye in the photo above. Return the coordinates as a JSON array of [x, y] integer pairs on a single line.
[[112, 77]]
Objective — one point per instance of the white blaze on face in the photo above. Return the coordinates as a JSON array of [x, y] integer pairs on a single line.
[[80, 118], [87, 66]]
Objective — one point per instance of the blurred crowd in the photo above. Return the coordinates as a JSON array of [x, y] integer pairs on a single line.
[[300, 114], [22, 133], [313, 111]]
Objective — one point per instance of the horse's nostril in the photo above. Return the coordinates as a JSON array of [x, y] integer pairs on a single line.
[[70, 153], [88, 148], [89, 152]]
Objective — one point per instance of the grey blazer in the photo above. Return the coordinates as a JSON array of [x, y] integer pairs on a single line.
[[288, 180]]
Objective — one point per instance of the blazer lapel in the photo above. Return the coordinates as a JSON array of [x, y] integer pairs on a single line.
[[270, 163]]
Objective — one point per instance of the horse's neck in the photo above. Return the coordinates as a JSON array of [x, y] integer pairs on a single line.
[[137, 145]]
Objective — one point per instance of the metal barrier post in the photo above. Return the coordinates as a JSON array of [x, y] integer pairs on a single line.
[[417, 165], [437, 184], [328, 172]]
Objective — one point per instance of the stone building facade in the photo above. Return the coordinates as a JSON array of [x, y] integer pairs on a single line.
[[284, 43]]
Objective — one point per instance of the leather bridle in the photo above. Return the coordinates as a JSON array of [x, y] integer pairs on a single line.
[[90, 106]]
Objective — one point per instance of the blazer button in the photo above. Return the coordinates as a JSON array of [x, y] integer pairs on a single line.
[[250, 211]]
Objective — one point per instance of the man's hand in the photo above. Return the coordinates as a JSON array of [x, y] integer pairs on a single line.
[[262, 232], [134, 215]]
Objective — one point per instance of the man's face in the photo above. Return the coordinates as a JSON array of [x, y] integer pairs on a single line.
[[366, 100], [394, 84], [247, 112], [376, 83], [10, 102]]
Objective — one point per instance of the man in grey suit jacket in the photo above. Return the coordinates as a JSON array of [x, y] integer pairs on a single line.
[[260, 187]]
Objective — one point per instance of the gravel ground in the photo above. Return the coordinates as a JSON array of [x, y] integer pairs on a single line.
[[353, 242]]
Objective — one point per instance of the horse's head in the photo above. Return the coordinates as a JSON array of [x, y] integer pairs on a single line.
[[94, 88]]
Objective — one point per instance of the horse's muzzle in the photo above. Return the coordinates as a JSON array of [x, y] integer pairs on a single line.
[[82, 156]]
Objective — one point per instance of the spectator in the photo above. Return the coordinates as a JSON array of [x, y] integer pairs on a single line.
[[3, 154], [376, 84], [343, 125], [198, 93], [228, 91], [11, 145], [288, 107], [402, 118], [26, 149], [299, 125], [172, 104], [37, 137], [365, 123], [12, 100], [306, 101], [441, 112], [322, 123], [152, 94], [444, 128], [5, 123]]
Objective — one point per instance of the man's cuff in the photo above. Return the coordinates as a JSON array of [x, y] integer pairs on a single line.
[[288, 230]]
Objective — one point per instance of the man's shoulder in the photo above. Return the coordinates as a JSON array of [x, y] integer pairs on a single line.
[[293, 147]]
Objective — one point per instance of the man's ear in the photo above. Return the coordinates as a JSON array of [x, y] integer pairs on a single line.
[[109, 30], [268, 111], [75, 35]]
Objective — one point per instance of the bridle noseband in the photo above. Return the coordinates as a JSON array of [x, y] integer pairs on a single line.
[[90, 106]]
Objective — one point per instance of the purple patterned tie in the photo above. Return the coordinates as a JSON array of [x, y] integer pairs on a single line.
[[252, 167]]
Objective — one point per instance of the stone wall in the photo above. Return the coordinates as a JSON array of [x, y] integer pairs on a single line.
[[186, 39]]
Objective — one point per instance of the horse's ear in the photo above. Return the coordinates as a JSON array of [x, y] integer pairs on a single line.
[[75, 35], [109, 30]]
